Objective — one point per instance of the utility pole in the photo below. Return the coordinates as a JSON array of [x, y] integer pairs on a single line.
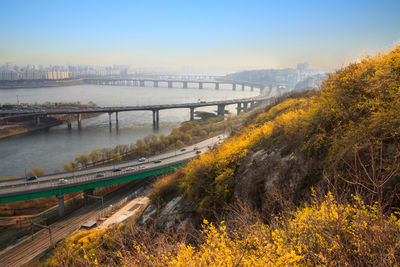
[[102, 203], [43, 227]]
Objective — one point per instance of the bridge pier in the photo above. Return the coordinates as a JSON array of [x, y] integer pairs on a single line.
[[170, 84], [141, 83], [185, 85], [245, 106], [191, 113], [239, 108], [69, 121], [242, 87], [79, 119], [252, 88], [216, 86], [37, 120], [60, 204], [234, 86], [156, 119], [116, 116], [221, 109], [200, 85], [109, 118], [155, 83]]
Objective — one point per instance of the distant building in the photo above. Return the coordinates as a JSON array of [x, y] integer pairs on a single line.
[[302, 66]]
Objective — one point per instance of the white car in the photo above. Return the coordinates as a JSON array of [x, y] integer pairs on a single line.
[[142, 159], [142, 167], [128, 169], [62, 181]]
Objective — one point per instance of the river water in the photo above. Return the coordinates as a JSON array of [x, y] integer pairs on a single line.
[[50, 149]]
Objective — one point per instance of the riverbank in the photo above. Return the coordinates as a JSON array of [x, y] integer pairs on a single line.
[[45, 123], [17, 126], [23, 128], [38, 84]]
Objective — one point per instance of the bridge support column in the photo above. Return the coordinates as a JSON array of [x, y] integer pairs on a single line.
[[170, 84], [116, 116], [192, 113], [141, 83], [69, 121], [156, 119], [221, 109], [252, 88], [60, 204], [234, 87], [252, 105], [155, 83], [245, 106], [242, 87], [239, 108], [37, 120], [216, 86], [185, 85], [109, 118], [79, 119], [200, 85]]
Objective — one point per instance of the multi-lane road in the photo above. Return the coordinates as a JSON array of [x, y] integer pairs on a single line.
[[107, 172], [26, 250]]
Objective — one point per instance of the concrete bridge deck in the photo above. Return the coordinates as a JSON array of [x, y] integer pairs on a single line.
[[243, 104]]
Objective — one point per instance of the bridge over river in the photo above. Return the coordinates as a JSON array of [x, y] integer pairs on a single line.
[[171, 82], [243, 104]]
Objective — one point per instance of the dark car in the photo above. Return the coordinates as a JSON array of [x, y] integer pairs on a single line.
[[183, 149], [157, 161], [31, 178], [99, 175], [117, 170]]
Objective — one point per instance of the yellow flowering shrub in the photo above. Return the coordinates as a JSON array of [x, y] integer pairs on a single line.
[[323, 233]]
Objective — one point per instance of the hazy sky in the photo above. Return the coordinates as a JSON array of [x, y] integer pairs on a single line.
[[222, 35]]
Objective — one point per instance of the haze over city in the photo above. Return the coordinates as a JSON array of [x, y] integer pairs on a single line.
[[206, 36]]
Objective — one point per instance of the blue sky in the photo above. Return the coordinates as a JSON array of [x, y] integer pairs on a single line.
[[219, 35]]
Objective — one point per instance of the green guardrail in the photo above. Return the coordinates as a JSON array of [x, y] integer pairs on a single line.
[[74, 188]]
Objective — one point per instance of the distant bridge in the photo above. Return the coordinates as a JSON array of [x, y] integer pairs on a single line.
[[171, 82], [243, 104]]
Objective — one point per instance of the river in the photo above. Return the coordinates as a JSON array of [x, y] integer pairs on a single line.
[[50, 149]]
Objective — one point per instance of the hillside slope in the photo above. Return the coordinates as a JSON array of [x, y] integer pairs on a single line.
[[311, 180]]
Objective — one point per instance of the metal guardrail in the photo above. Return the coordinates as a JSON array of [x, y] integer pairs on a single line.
[[88, 183]]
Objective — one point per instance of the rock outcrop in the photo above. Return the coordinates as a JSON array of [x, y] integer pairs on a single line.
[[267, 177]]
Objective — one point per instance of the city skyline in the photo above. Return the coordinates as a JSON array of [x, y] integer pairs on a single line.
[[210, 36]]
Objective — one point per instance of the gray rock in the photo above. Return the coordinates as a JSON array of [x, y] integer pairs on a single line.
[[148, 215], [266, 172], [175, 213]]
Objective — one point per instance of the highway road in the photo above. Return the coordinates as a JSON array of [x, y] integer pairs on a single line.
[[106, 172], [17, 255]]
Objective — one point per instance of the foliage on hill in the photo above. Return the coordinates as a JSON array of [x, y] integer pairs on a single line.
[[355, 115], [349, 136], [323, 232]]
